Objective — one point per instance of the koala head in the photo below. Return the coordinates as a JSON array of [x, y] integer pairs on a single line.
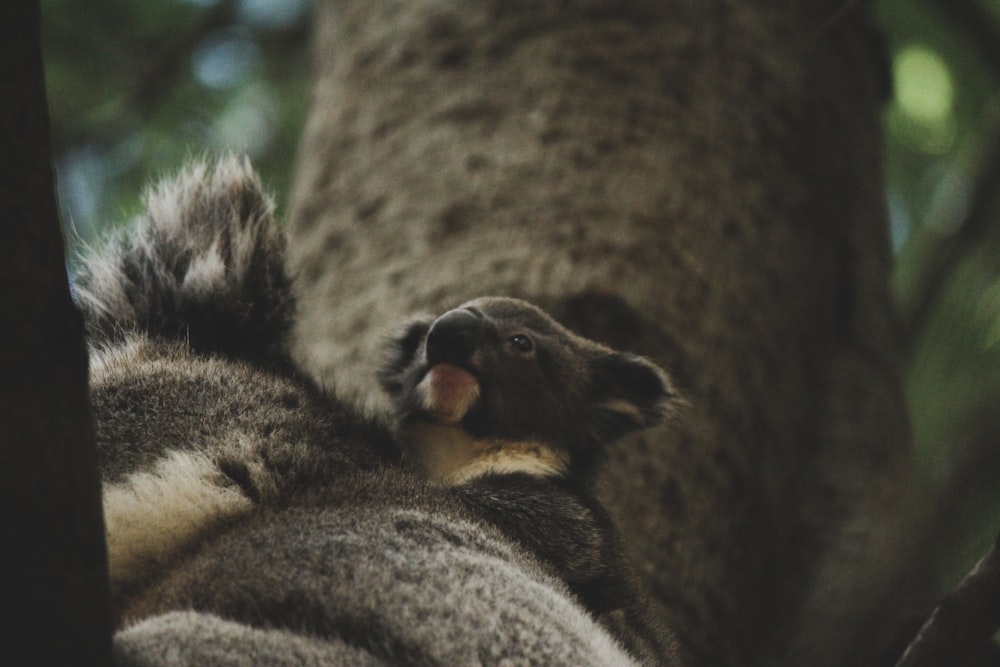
[[498, 380]]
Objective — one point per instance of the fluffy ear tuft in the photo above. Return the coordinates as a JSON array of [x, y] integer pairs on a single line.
[[632, 394], [204, 265], [402, 349]]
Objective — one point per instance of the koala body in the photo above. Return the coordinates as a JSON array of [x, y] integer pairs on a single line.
[[253, 518], [513, 412]]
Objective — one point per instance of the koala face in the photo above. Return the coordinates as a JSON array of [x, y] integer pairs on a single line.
[[501, 371]]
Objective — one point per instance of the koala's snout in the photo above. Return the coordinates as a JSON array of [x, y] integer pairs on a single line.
[[453, 337]]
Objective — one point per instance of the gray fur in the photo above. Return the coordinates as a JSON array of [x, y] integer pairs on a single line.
[[177, 639], [564, 392], [254, 519], [411, 586], [204, 265], [526, 411]]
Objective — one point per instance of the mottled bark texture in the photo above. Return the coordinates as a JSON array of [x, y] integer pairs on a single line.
[[696, 181], [54, 607]]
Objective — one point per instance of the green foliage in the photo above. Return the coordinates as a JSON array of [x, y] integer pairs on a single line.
[[135, 88], [943, 177]]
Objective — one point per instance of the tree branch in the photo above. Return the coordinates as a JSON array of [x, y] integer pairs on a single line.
[[55, 607], [962, 624]]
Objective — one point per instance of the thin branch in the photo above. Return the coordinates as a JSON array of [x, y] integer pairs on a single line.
[[963, 623]]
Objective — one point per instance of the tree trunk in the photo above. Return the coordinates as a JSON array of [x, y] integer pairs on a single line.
[[697, 181], [55, 608]]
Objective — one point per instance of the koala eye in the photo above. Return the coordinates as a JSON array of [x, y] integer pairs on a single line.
[[521, 343]]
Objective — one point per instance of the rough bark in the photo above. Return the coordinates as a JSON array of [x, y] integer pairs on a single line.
[[697, 181], [54, 609]]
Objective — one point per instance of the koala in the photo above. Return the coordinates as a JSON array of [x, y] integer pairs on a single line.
[[498, 386], [513, 412], [253, 517], [188, 315]]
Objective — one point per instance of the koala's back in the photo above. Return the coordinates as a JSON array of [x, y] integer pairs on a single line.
[[405, 584], [201, 403]]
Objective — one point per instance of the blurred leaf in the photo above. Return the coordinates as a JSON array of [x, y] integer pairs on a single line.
[[136, 89], [943, 178]]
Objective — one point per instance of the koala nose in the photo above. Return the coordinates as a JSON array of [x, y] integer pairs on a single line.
[[453, 337]]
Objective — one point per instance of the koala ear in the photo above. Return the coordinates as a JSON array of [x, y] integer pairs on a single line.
[[631, 394], [402, 348], [205, 266]]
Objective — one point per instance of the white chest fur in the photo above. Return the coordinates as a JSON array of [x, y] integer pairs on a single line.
[[452, 457]]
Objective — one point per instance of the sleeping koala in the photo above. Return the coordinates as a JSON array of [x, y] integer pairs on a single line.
[[252, 518], [513, 412]]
